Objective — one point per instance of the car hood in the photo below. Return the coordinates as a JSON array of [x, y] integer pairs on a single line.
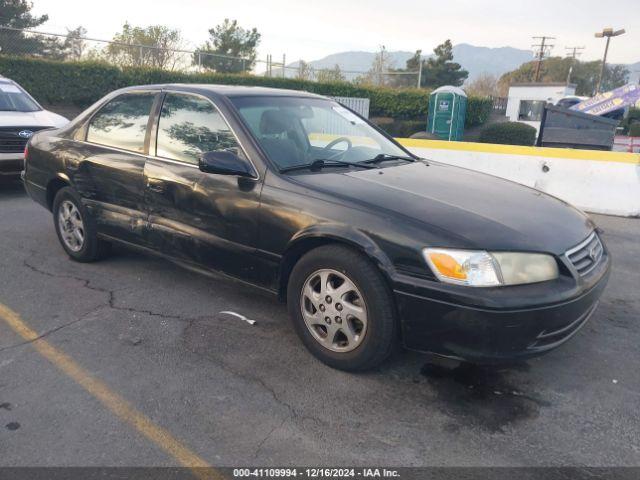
[[41, 118], [462, 208]]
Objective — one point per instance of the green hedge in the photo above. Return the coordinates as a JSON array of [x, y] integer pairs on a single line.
[[633, 117], [403, 128], [82, 83], [509, 133]]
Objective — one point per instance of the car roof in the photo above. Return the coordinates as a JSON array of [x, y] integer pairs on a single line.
[[227, 90]]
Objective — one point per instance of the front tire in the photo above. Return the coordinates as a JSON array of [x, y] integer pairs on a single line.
[[342, 308], [76, 228]]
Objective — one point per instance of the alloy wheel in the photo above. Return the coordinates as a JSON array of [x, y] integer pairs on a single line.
[[71, 226], [334, 310]]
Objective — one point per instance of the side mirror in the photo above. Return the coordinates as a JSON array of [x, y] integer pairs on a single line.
[[224, 162]]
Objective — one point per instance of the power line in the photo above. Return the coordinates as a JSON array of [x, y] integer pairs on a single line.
[[543, 51], [573, 53]]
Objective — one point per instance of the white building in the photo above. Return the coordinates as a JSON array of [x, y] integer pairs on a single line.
[[526, 100]]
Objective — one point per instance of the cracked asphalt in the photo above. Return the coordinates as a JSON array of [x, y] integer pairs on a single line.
[[241, 394]]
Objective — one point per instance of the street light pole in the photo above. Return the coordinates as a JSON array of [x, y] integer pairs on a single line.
[[604, 65], [608, 33]]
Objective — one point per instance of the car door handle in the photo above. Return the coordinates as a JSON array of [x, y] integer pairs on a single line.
[[157, 187]]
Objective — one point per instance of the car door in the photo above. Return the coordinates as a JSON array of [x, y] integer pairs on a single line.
[[203, 218], [110, 176]]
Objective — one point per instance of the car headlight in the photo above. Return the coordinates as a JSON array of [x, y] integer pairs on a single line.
[[478, 268]]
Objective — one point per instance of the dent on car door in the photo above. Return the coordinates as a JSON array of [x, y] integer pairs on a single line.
[[204, 218], [111, 176]]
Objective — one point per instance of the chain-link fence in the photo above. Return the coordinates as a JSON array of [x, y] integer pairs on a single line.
[[73, 46]]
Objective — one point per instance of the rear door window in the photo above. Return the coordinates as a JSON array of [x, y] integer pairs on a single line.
[[190, 126], [122, 123]]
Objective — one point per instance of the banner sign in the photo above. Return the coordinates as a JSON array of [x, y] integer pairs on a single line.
[[606, 102]]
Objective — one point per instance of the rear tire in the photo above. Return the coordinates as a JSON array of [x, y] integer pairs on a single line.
[[76, 228], [342, 308]]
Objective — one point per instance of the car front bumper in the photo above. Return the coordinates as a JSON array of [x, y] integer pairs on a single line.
[[497, 325], [11, 164]]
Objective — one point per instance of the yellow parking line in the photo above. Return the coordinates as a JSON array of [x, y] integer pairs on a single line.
[[114, 402]]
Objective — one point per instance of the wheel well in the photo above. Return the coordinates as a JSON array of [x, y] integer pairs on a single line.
[[299, 249], [52, 189]]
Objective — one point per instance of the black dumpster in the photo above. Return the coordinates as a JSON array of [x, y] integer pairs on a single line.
[[564, 128]]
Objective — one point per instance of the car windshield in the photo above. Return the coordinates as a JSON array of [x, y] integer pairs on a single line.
[[14, 99], [299, 130]]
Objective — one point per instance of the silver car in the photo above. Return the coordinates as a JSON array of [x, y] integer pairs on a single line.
[[20, 117]]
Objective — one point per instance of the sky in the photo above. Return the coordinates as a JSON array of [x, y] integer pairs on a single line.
[[310, 30]]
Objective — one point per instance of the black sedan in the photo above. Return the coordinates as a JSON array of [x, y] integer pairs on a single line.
[[296, 194]]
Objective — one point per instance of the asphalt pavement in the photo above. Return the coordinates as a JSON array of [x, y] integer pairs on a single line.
[[144, 333]]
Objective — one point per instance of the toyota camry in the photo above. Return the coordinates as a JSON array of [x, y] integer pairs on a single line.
[[295, 194]]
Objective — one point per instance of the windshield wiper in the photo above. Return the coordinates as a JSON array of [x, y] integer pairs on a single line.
[[383, 157], [318, 164]]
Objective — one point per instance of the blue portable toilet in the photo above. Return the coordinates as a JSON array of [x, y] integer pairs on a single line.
[[447, 112]]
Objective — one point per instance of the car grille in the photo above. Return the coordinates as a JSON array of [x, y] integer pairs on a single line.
[[586, 256], [11, 141], [12, 146]]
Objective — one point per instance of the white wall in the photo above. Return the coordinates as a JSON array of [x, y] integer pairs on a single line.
[[598, 182]]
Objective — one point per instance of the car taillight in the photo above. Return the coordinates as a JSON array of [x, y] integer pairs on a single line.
[[26, 151]]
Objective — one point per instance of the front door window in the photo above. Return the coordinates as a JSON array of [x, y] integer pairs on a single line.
[[190, 126]]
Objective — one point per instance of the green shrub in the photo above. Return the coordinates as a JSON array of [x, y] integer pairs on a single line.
[[478, 111], [402, 128], [632, 117], [509, 133], [82, 83], [634, 129]]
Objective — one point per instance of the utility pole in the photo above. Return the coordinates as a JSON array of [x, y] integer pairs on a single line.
[[381, 65], [543, 46], [606, 33], [573, 53], [419, 70]]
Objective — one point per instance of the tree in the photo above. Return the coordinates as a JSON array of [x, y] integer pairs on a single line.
[[154, 46], [330, 75], [441, 70], [413, 64], [484, 85], [614, 76], [557, 69], [305, 71], [74, 45], [408, 76], [231, 49], [16, 14], [380, 67]]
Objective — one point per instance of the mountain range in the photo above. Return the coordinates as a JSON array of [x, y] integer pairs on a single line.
[[476, 60]]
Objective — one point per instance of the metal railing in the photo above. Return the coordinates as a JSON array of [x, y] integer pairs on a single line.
[[72, 47], [499, 104]]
